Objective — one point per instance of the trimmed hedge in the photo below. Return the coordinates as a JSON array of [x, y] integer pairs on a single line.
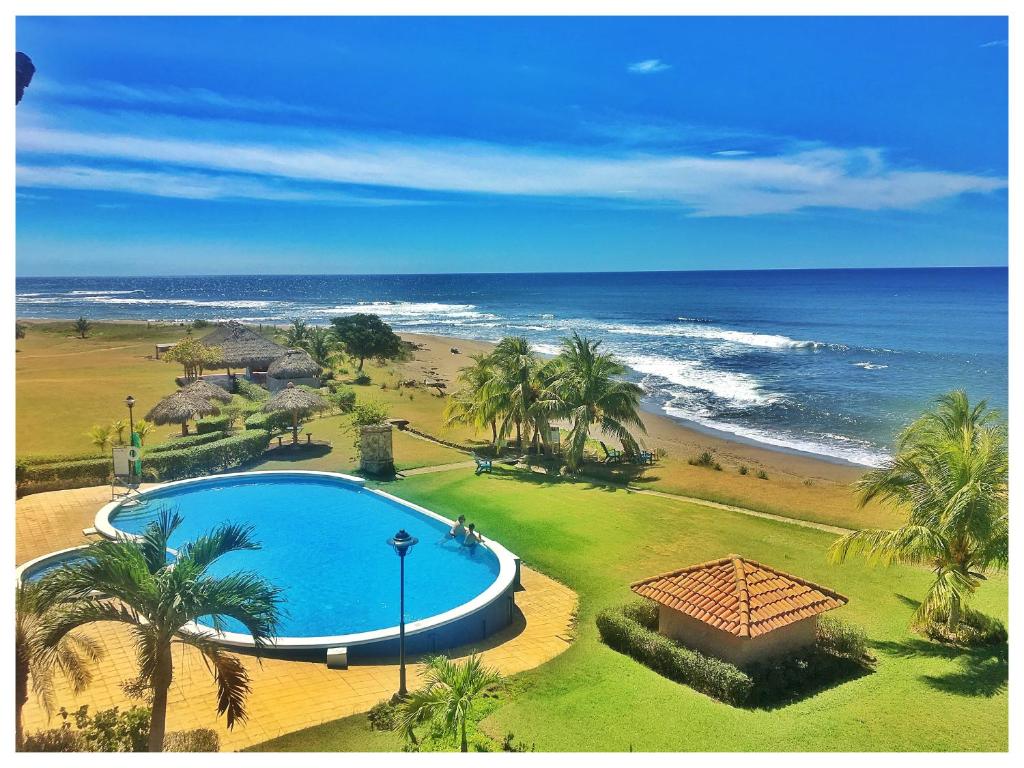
[[54, 458], [213, 424], [621, 630], [207, 458], [178, 443], [278, 421], [98, 469]]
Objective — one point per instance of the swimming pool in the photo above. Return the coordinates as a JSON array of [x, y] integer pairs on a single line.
[[323, 538]]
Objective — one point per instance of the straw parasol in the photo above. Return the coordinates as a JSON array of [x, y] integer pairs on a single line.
[[206, 391], [298, 402], [294, 364], [242, 347], [178, 408]]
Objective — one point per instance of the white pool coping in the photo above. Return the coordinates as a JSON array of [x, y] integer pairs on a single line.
[[507, 571], [61, 554]]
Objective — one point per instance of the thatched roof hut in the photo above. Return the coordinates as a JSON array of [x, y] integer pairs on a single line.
[[294, 364], [178, 408], [296, 400], [206, 391], [242, 347]]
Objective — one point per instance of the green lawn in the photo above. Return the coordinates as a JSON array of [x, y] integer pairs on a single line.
[[921, 697]]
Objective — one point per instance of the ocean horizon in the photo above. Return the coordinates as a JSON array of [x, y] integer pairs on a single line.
[[831, 362]]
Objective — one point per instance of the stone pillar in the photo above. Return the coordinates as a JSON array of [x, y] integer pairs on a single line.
[[376, 456]]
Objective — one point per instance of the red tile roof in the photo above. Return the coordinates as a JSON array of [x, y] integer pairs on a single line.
[[741, 597]]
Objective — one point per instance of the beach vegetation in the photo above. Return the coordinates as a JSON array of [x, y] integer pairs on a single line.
[[446, 701], [82, 327], [949, 476], [117, 429], [471, 404], [99, 436], [321, 345], [144, 429], [365, 336], [297, 334], [200, 324], [19, 330], [743, 469], [194, 356], [762, 475], [130, 581]]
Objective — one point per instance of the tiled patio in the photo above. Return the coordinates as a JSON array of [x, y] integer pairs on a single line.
[[286, 695]]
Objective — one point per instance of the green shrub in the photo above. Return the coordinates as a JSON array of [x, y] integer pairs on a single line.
[[975, 629], [743, 469], [278, 421], [220, 423], [97, 470], [111, 730], [61, 739], [705, 459], [383, 716], [362, 380], [250, 391], [199, 324], [643, 612], [207, 458], [708, 675], [54, 458], [762, 475], [841, 639], [369, 414], [198, 740], [342, 398], [178, 443]]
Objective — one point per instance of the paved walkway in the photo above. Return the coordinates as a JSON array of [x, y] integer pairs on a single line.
[[287, 695]]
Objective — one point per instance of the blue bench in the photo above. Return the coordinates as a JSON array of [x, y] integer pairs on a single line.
[[482, 464]]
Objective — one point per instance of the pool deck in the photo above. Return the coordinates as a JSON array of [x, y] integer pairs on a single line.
[[286, 695]]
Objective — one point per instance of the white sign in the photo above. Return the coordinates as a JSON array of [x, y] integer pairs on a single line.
[[124, 458]]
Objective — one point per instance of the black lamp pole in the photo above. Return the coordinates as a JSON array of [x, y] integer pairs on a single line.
[[130, 402], [402, 542]]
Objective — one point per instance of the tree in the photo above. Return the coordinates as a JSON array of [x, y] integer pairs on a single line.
[[446, 701], [364, 336], [193, 355], [590, 392], [950, 474], [118, 428], [297, 334], [19, 331], [471, 404], [39, 654], [143, 429], [131, 581], [82, 327], [320, 344], [517, 391], [100, 436]]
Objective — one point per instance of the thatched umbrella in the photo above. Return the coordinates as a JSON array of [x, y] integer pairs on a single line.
[[178, 408], [242, 347], [206, 391], [298, 402], [294, 364]]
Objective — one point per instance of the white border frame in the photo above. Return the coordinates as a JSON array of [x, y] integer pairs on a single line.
[[507, 571]]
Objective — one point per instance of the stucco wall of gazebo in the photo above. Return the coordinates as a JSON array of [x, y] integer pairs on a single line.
[[727, 646]]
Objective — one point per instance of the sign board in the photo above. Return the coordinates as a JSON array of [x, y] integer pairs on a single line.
[[124, 459], [555, 439]]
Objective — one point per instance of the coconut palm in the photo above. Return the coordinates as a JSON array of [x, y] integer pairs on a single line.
[[39, 654], [131, 581], [297, 333], [100, 436], [447, 699], [950, 475], [514, 391], [471, 404], [118, 428], [321, 344], [590, 392], [143, 429]]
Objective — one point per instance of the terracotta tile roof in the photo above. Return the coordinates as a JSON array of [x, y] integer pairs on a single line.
[[741, 597]]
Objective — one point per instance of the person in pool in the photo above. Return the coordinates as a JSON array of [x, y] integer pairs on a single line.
[[472, 537], [458, 528]]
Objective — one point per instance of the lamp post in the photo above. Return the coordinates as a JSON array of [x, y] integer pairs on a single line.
[[130, 402], [402, 542]]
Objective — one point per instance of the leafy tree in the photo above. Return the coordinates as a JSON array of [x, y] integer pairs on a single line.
[[100, 436], [517, 390], [364, 336], [446, 701], [132, 582], [194, 356], [297, 334], [950, 475], [320, 343], [40, 653], [82, 327], [472, 404], [590, 392]]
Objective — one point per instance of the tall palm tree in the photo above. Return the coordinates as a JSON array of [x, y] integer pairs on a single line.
[[38, 654], [321, 344], [471, 403], [447, 699], [131, 581], [590, 392], [296, 334], [950, 475], [514, 389]]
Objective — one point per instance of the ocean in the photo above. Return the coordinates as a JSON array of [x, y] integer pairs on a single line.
[[831, 362]]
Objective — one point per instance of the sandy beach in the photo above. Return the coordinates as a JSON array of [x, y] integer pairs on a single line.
[[434, 359]]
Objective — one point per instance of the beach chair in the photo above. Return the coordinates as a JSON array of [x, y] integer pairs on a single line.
[[482, 464], [645, 457], [611, 455]]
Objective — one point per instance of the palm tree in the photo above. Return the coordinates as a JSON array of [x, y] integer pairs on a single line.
[[590, 392], [950, 474], [514, 390], [296, 334], [143, 428], [320, 343], [118, 427], [100, 436], [131, 581], [446, 701], [471, 403], [82, 327]]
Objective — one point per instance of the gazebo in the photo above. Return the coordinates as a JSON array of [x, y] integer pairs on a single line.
[[738, 610], [206, 391], [179, 407], [242, 347], [295, 366], [299, 402]]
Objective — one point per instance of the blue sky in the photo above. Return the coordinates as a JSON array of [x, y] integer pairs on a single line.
[[248, 145]]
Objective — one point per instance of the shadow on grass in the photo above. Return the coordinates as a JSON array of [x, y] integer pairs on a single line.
[[830, 672], [291, 452], [532, 477], [981, 672]]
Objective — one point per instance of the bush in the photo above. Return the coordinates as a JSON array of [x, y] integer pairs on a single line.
[[220, 423], [207, 458], [53, 458], [250, 391], [383, 716], [54, 740], [278, 421], [363, 379], [705, 459], [743, 469], [179, 443], [716, 678], [199, 740], [342, 398], [762, 475], [95, 471], [199, 324], [369, 414], [975, 629], [841, 639], [111, 730]]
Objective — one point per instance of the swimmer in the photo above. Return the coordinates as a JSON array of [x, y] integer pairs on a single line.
[[458, 528]]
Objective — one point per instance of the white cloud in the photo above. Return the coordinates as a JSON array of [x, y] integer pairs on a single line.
[[995, 44], [648, 67], [732, 152], [309, 168]]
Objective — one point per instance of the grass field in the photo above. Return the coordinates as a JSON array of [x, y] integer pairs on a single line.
[[921, 697]]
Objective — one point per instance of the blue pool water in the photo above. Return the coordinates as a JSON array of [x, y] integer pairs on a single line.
[[324, 543]]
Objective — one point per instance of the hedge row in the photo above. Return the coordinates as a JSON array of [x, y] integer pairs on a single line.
[[220, 423], [620, 630], [54, 458], [276, 421], [71, 470], [178, 443], [207, 458]]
